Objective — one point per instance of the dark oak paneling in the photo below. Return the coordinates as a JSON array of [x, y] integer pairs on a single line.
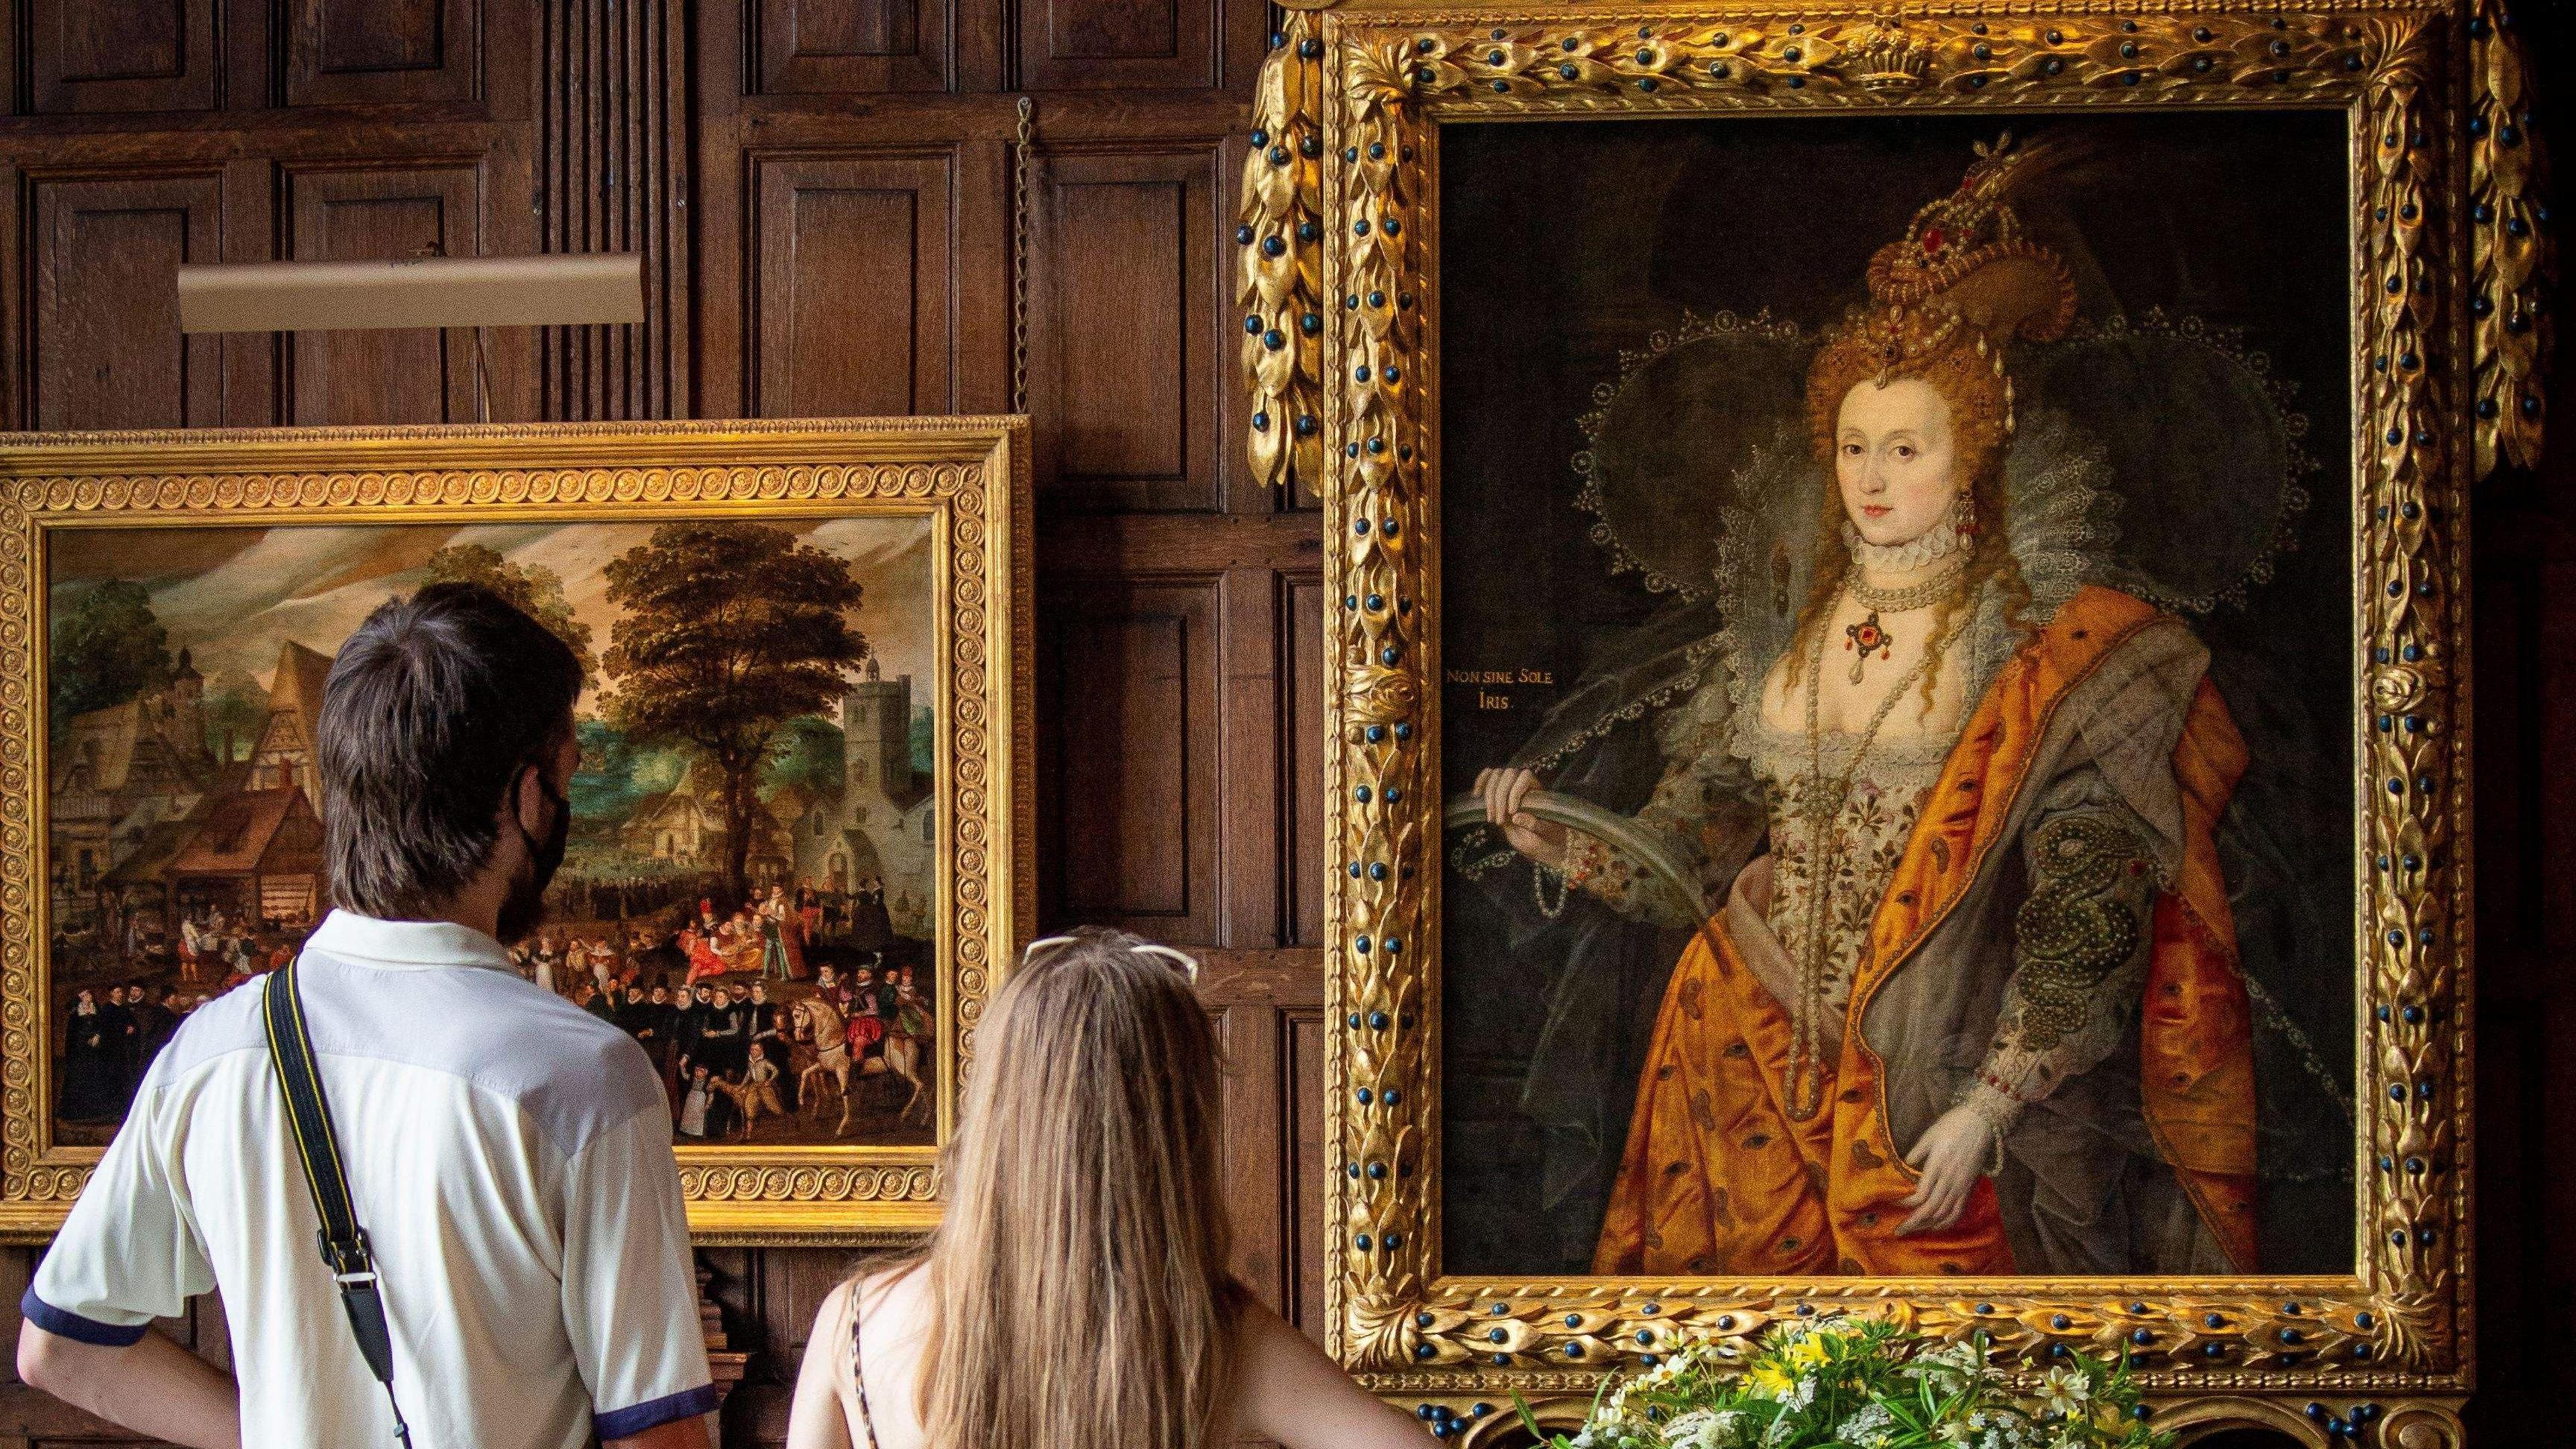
[[1301, 1171], [1126, 351], [836, 47], [397, 375], [1130, 722], [1302, 647], [854, 258], [103, 342], [1123, 44], [1265, 1004], [613, 170], [344, 51], [123, 55]]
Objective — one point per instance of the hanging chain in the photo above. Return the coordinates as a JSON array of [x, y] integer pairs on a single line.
[[1023, 158]]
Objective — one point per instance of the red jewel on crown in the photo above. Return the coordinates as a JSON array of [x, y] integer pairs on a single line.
[[1934, 240]]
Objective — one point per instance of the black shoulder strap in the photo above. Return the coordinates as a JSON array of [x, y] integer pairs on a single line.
[[345, 1250]]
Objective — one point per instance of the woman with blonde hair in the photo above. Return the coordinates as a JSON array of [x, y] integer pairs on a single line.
[[1076, 1293]]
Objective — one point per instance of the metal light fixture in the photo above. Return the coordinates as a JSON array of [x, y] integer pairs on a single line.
[[476, 292]]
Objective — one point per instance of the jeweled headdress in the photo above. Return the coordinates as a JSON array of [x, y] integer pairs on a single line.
[[1962, 275], [1706, 449]]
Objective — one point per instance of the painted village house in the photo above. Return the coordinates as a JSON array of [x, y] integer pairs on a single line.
[[880, 825], [883, 826], [123, 777], [282, 755], [685, 828], [245, 838]]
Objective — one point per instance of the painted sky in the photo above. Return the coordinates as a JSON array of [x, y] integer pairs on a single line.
[[233, 595]]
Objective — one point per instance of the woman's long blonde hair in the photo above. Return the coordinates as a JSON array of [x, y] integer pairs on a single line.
[[1079, 1295]]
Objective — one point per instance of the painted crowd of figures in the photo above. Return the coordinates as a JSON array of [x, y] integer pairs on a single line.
[[110, 1041], [802, 1038], [795, 1015], [112, 1032]]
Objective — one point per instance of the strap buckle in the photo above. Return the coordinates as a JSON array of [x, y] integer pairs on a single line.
[[351, 1262]]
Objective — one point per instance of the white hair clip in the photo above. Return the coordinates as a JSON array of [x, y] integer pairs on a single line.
[[1188, 964]]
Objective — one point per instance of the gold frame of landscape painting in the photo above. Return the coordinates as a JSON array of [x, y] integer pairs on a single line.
[[1341, 285], [919, 532]]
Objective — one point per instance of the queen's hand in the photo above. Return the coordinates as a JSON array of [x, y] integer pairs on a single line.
[[1951, 1157], [1503, 791]]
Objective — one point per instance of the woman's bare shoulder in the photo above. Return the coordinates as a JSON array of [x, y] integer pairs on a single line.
[[1287, 1391], [895, 1288]]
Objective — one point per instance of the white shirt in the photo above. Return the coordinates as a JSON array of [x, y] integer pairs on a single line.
[[510, 1159]]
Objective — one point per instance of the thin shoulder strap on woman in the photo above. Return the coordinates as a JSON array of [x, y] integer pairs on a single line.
[[858, 1377]]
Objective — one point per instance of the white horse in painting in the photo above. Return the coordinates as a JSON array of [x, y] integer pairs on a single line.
[[819, 1022], [902, 1059]]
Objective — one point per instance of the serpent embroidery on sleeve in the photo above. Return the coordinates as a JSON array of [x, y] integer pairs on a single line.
[[2080, 923]]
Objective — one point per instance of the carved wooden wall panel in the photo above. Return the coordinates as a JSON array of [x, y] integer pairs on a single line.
[[1134, 837], [103, 329], [853, 275], [344, 51], [1139, 44], [392, 376], [613, 144], [903, 202], [123, 55], [1127, 349], [1303, 651], [840, 47]]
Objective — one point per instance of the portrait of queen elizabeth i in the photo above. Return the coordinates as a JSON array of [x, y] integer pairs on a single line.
[[1902, 902]]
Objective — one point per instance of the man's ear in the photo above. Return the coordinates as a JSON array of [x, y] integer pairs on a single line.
[[526, 798]]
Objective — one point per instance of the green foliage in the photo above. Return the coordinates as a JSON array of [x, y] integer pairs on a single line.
[[603, 784], [807, 751], [1849, 1383], [235, 708], [107, 648], [533, 589], [729, 630], [925, 741], [616, 773]]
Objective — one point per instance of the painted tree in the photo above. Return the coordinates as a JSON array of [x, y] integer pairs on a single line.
[[235, 708], [727, 631], [107, 648], [808, 751], [533, 589]]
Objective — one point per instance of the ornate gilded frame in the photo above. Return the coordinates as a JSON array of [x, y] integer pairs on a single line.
[[1339, 196], [968, 476]]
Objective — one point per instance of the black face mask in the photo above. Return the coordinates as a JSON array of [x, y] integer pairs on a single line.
[[525, 906]]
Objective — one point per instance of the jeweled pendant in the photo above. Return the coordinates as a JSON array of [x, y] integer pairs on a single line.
[[1864, 639]]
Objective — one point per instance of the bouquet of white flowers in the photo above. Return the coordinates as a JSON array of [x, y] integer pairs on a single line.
[[1844, 1383]]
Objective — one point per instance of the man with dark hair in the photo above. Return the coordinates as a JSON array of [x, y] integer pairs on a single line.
[[509, 1154]]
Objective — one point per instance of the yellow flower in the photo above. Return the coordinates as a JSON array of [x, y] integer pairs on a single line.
[[1807, 1352], [2111, 1419], [1771, 1381]]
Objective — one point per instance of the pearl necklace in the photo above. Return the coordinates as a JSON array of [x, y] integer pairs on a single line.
[[1937, 542], [1869, 636], [1804, 1087], [1898, 601]]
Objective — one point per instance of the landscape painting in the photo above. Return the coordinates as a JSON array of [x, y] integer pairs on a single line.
[[753, 883]]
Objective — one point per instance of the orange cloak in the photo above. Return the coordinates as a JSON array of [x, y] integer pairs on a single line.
[[1718, 1180]]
